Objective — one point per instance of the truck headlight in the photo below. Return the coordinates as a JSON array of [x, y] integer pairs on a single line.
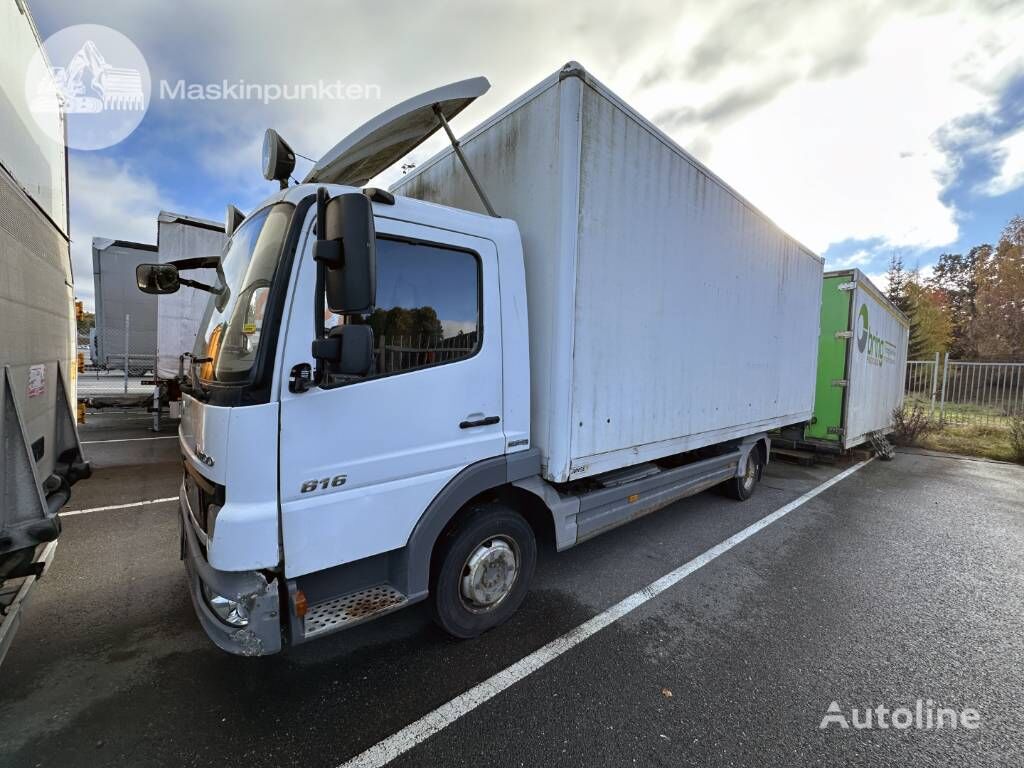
[[229, 611]]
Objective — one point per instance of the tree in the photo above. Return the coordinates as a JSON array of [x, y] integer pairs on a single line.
[[86, 322], [931, 327], [399, 321], [897, 279], [955, 276], [998, 325]]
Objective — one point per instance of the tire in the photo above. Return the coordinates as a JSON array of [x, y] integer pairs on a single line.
[[472, 567], [742, 488]]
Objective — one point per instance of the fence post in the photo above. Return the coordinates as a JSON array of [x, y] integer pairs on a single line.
[[935, 380], [945, 374], [127, 329]]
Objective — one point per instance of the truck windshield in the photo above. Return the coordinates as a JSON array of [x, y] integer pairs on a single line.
[[230, 335]]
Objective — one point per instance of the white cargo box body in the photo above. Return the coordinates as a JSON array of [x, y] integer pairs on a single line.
[[117, 295], [179, 314], [877, 361], [665, 312]]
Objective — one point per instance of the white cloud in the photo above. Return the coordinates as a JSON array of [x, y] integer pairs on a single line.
[[858, 259], [1010, 151], [108, 199], [880, 280], [823, 114], [853, 155]]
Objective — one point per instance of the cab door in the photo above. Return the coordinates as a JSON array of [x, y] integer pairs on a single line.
[[361, 461]]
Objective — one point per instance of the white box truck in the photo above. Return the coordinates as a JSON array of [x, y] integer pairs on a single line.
[[42, 457], [393, 396]]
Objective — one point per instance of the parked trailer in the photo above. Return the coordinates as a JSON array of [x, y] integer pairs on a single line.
[[862, 363], [398, 393], [180, 314], [42, 456], [126, 320]]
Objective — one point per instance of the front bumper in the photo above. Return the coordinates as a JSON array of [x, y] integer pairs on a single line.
[[262, 635]]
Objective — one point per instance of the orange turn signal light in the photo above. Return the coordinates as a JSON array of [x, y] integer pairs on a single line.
[[301, 606]]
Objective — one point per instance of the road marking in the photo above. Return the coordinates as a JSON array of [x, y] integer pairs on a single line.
[[117, 506], [129, 439], [401, 742]]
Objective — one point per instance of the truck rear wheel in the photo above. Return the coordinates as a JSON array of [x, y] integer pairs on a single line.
[[483, 570], [742, 487]]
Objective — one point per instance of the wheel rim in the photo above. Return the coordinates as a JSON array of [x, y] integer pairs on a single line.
[[489, 574], [750, 471]]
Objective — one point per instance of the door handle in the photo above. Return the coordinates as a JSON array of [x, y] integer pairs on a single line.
[[484, 422]]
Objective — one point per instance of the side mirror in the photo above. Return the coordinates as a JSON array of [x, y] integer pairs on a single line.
[[232, 220], [346, 248], [157, 278], [347, 350]]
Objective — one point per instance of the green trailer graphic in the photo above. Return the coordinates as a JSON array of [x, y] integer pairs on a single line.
[[862, 361]]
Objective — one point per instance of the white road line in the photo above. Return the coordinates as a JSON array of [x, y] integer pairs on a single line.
[[117, 506], [401, 742], [129, 439]]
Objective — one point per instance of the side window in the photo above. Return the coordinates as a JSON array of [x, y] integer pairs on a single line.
[[428, 306]]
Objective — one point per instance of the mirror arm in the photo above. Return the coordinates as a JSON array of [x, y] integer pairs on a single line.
[[203, 262], [200, 286]]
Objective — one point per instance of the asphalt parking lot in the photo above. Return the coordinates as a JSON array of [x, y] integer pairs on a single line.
[[900, 582]]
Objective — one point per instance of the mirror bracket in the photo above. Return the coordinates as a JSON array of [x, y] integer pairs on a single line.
[[329, 253], [327, 349]]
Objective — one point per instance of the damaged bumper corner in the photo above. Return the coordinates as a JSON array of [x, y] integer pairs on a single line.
[[261, 636]]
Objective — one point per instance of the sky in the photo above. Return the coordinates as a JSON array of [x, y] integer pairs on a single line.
[[863, 129]]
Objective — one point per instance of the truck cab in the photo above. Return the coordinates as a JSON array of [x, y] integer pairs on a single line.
[[304, 481]]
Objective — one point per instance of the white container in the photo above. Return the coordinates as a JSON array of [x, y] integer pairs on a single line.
[[862, 361], [117, 294], [666, 313], [179, 314]]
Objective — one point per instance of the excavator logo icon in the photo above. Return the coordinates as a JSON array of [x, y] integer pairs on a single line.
[[92, 79], [88, 84]]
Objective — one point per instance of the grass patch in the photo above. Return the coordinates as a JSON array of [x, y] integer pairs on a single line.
[[983, 440]]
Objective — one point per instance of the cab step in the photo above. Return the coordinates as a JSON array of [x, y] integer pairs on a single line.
[[351, 609]]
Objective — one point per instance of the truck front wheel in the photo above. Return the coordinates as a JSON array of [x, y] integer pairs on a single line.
[[483, 569], [742, 487]]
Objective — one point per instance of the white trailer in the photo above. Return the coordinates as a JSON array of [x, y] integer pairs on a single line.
[[42, 457], [125, 319], [394, 396], [862, 363], [179, 315]]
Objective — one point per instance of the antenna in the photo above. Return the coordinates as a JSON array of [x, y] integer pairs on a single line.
[[462, 159]]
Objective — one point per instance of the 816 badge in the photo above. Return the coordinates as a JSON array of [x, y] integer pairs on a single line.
[[321, 485]]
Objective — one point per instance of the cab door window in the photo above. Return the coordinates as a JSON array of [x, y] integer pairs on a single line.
[[428, 306]]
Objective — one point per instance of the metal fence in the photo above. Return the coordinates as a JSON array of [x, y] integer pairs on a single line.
[[117, 359], [401, 353], [966, 392]]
